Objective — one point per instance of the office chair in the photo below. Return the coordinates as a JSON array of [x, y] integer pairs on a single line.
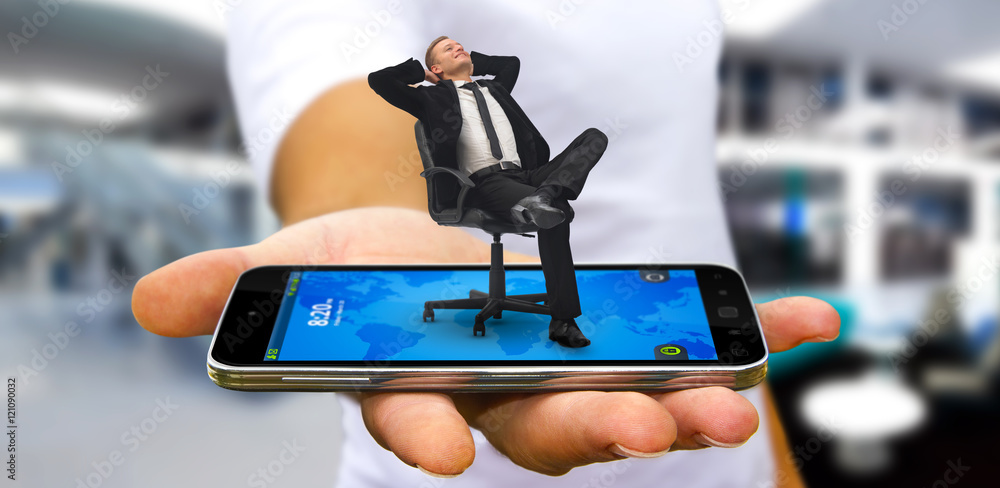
[[446, 192]]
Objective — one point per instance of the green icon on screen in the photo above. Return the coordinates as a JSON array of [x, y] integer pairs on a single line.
[[671, 352]]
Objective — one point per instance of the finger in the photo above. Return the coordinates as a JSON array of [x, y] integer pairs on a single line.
[[710, 417], [555, 432], [788, 322], [186, 297], [423, 430]]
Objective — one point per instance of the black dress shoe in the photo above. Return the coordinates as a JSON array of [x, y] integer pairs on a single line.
[[567, 333], [537, 209]]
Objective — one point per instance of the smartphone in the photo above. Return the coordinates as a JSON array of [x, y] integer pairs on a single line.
[[364, 327]]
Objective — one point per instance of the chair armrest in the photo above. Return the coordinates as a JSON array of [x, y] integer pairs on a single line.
[[465, 183], [462, 178]]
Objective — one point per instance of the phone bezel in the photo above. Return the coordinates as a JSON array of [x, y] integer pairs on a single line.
[[241, 341]]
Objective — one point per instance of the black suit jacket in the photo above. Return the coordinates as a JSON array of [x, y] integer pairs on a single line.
[[437, 106]]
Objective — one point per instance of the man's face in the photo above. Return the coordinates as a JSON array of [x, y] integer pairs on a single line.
[[451, 58]]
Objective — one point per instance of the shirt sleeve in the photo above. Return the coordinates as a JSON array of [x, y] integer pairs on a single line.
[[281, 55]]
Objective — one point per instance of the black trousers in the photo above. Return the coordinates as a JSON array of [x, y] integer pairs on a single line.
[[499, 191]]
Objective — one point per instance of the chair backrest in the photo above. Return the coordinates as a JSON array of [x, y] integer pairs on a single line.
[[442, 193], [423, 145]]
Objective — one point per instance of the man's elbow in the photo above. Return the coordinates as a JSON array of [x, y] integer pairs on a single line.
[[513, 66], [379, 83], [376, 79]]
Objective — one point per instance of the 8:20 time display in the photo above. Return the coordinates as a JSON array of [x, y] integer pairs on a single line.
[[320, 314]]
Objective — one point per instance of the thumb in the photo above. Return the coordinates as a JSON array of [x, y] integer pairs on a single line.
[[186, 297]]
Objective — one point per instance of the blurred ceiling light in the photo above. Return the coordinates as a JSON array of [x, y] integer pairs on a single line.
[[78, 102], [195, 13], [75, 102], [72, 99], [11, 148], [11, 95], [761, 18], [981, 70]]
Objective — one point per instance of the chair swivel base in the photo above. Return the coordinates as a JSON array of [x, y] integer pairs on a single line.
[[489, 306]]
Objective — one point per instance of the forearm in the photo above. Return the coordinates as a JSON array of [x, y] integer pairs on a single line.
[[503, 68], [393, 85], [406, 73], [347, 149]]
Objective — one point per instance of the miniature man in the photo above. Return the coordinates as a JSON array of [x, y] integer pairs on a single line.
[[488, 137]]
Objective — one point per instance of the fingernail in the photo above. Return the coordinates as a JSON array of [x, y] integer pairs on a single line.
[[436, 475], [710, 442], [632, 453], [822, 339]]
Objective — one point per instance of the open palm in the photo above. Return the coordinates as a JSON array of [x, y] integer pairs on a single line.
[[550, 433]]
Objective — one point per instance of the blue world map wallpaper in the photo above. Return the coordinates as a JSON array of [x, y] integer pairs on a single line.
[[376, 316]]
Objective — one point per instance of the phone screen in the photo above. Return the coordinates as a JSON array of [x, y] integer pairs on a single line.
[[377, 316]]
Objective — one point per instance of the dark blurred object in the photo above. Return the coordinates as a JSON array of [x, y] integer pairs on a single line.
[[952, 364], [921, 225], [756, 85], [786, 225], [982, 115], [879, 87]]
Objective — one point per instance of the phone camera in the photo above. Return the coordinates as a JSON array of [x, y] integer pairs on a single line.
[[654, 276]]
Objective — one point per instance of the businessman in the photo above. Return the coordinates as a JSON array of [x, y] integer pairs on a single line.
[[481, 131]]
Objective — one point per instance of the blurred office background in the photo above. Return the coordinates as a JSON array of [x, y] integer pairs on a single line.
[[859, 145], [85, 210], [859, 159]]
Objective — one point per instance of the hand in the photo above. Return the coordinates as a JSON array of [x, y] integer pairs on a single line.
[[550, 433], [431, 77]]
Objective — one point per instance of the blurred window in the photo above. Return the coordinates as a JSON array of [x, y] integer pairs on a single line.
[[786, 224], [756, 88], [982, 116]]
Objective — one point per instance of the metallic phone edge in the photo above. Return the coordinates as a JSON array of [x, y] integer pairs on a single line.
[[489, 378], [484, 379]]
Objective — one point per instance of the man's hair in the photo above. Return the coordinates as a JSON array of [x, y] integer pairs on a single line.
[[429, 58]]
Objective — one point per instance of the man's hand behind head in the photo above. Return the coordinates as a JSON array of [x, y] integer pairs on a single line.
[[431, 77]]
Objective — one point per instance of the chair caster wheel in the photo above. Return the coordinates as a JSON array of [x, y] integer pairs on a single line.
[[428, 314], [479, 329], [498, 315]]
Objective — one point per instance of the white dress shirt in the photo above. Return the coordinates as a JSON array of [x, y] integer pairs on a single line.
[[474, 151], [653, 197]]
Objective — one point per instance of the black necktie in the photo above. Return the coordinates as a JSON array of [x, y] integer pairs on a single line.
[[484, 112]]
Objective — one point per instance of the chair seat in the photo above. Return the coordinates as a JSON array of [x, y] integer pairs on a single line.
[[491, 223], [446, 191]]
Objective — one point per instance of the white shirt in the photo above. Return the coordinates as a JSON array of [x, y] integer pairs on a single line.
[[653, 197], [474, 151]]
